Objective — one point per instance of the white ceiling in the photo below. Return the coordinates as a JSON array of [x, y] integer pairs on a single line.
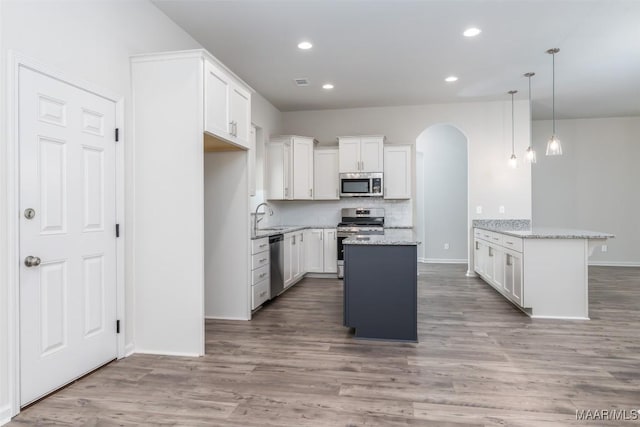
[[382, 53]]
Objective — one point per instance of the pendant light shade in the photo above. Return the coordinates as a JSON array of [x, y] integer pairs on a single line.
[[513, 160], [530, 155], [554, 148]]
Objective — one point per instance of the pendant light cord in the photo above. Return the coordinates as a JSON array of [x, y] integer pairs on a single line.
[[530, 115], [513, 148], [553, 90]]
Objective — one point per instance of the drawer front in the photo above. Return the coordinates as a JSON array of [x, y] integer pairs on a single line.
[[495, 238], [259, 274], [513, 243], [259, 245], [260, 293], [259, 260]]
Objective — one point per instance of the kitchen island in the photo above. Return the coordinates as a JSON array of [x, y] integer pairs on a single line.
[[542, 270], [380, 285]]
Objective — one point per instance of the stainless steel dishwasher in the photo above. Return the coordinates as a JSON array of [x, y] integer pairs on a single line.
[[276, 252]]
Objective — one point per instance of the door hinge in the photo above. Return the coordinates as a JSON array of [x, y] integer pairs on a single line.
[[117, 134], [117, 230], [118, 326]]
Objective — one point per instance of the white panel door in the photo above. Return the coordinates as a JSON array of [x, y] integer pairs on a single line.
[[397, 172], [349, 153], [326, 182], [67, 176], [371, 154], [330, 251], [240, 112], [302, 169], [314, 250], [216, 101]]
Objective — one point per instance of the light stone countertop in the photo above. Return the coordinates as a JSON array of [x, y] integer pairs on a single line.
[[391, 237], [283, 229], [548, 233]]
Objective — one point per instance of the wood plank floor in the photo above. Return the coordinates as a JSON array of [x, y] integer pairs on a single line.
[[479, 362]]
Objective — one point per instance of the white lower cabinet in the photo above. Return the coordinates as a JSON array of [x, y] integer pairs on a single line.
[[314, 250], [498, 264], [294, 257], [321, 250], [260, 272]]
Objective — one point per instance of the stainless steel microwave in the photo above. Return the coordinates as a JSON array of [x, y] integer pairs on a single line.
[[361, 184]]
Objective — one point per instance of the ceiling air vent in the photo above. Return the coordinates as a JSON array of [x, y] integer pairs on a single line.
[[302, 81]]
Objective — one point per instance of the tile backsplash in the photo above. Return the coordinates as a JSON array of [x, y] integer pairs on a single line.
[[398, 213]]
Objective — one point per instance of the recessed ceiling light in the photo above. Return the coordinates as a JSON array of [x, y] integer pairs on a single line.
[[327, 86], [451, 79], [305, 45], [471, 32]]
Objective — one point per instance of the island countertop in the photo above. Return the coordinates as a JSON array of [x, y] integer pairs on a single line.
[[391, 237], [548, 233]]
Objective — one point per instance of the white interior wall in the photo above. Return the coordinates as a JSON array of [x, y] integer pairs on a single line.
[[594, 184], [269, 119], [487, 126], [226, 232], [92, 41], [443, 199]]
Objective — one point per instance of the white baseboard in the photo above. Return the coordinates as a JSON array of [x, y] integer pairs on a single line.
[[559, 317], [322, 275], [225, 318], [167, 353], [5, 415], [442, 261], [614, 264], [129, 349]]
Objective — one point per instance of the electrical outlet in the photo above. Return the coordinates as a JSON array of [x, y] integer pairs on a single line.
[[478, 209], [605, 248], [501, 209], [446, 246]]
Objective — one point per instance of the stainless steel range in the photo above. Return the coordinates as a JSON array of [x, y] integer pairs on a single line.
[[358, 221]]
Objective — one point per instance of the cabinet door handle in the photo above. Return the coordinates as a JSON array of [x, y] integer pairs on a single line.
[[294, 240], [301, 238], [490, 251], [262, 260], [477, 245], [320, 236], [262, 275], [509, 260], [310, 192], [264, 245], [263, 293]]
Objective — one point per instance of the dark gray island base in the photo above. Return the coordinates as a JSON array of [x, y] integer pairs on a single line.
[[380, 286]]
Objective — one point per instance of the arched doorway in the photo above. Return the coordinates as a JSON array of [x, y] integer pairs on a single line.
[[442, 194]]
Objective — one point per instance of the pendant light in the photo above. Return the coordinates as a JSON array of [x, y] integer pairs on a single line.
[[553, 145], [513, 160], [531, 153]]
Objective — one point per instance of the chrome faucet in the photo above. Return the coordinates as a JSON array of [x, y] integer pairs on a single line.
[[256, 220]]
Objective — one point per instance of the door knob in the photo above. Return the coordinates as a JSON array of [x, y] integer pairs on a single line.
[[32, 261]]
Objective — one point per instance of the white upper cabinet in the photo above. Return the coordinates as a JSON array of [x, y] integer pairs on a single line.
[[326, 182], [227, 108], [302, 168], [216, 98], [398, 162], [361, 153], [349, 154], [240, 115], [289, 168]]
